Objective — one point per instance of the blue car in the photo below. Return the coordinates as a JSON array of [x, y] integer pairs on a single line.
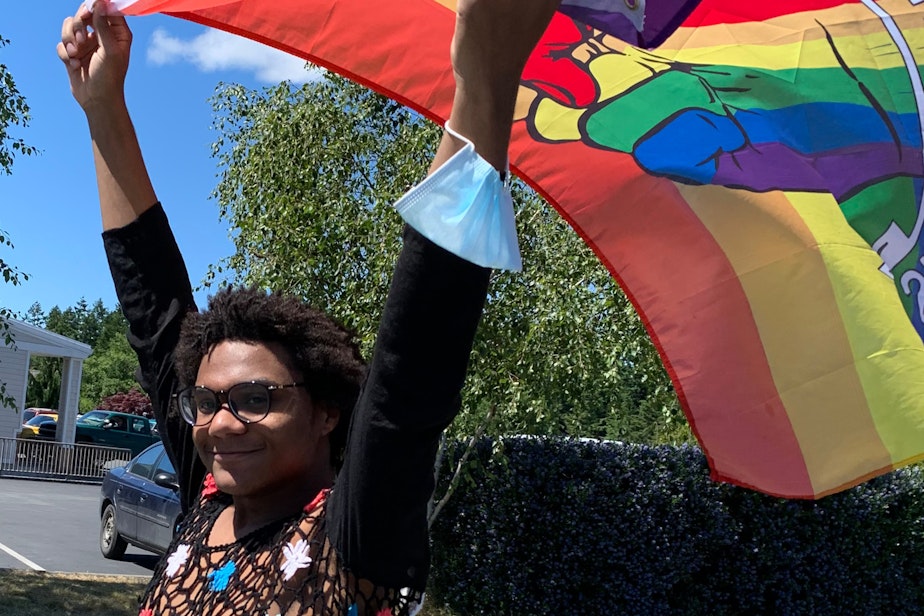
[[140, 504]]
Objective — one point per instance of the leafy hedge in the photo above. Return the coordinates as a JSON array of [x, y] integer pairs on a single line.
[[577, 527]]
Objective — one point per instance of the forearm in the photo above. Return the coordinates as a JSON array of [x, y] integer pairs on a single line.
[[484, 117], [95, 48], [125, 189], [487, 73]]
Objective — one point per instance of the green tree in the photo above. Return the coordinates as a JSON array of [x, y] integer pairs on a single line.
[[111, 367], [35, 316], [307, 178], [13, 112], [80, 322], [44, 388], [44, 372]]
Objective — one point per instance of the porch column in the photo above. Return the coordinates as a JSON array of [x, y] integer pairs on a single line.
[[69, 399]]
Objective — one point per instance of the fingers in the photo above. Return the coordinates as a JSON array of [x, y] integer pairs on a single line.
[[87, 32], [77, 43]]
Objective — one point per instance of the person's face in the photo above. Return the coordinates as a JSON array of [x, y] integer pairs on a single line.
[[288, 448]]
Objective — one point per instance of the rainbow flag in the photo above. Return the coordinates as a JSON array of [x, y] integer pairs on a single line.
[[754, 183]]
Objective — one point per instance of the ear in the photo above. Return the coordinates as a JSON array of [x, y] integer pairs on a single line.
[[331, 417]]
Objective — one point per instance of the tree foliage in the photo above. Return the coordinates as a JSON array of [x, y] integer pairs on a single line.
[[133, 401], [14, 111], [12, 276], [111, 367], [307, 177]]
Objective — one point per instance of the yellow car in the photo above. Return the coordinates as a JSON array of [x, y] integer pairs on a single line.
[[30, 429], [32, 411]]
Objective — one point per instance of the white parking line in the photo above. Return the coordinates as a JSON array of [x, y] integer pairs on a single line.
[[21, 558]]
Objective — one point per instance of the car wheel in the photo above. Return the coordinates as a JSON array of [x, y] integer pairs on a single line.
[[111, 543]]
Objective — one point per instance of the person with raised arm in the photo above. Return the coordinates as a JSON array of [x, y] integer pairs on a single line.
[[304, 474]]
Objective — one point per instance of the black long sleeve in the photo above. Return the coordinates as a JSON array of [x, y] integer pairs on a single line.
[[379, 504], [154, 292]]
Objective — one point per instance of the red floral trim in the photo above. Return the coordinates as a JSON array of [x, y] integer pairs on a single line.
[[320, 498], [209, 489], [384, 612]]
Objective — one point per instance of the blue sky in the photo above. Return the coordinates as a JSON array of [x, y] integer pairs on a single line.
[[49, 207]]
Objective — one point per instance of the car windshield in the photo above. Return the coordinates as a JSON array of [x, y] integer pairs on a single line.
[[40, 419], [94, 417]]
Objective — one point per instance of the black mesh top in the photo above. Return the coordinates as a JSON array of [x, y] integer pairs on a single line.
[[286, 567]]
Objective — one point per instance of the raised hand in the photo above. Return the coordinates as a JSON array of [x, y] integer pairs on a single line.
[[492, 41], [95, 48]]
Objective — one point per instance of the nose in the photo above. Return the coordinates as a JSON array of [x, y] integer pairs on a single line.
[[225, 422]]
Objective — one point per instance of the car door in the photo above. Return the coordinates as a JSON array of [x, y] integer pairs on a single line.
[[113, 432], [140, 433], [130, 492], [158, 508]]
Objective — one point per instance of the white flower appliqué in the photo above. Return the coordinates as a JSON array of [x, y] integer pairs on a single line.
[[296, 558], [177, 560], [413, 600]]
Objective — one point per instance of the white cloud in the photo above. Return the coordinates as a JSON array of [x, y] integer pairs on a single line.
[[215, 50]]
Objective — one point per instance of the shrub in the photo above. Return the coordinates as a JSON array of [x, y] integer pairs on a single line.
[[133, 401], [585, 527]]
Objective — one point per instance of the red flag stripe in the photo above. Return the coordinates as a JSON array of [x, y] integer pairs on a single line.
[[693, 353], [744, 11]]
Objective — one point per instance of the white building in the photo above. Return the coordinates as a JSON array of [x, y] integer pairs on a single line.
[[29, 342]]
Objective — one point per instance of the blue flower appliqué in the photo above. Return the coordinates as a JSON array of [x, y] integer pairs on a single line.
[[353, 611], [220, 578]]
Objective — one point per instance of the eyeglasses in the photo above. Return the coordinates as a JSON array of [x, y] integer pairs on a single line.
[[249, 402]]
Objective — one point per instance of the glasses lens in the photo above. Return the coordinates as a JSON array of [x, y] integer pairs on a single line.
[[205, 401], [187, 407], [250, 401], [198, 404]]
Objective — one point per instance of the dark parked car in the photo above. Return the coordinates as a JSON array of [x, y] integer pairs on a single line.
[[139, 504], [109, 428]]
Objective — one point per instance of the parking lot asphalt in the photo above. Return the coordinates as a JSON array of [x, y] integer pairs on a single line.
[[54, 526]]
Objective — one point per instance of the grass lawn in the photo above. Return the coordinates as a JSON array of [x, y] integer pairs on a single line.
[[25, 593]]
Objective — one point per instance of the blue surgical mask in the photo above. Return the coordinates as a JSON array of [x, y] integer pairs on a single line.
[[465, 208]]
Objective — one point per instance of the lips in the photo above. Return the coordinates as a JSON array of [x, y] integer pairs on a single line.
[[231, 455]]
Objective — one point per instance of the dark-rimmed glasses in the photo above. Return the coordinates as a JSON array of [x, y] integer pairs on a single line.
[[250, 402]]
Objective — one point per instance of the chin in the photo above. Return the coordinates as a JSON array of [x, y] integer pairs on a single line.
[[229, 482]]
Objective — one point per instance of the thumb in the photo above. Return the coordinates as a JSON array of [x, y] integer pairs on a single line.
[[110, 27]]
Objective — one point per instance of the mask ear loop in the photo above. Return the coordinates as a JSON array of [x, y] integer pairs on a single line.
[[504, 175], [465, 208]]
